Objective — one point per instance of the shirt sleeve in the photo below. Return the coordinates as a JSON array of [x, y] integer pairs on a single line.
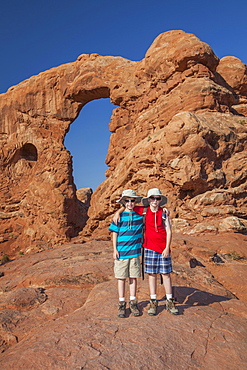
[[139, 210], [113, 227]]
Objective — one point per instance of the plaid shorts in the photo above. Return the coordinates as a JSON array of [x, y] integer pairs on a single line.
[[154, 263]]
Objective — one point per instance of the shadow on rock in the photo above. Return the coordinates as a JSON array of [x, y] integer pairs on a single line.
[[187, 297]]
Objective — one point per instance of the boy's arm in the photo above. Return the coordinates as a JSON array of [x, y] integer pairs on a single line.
[[165, 210], [114, 241], [116, 217], [168, 228]]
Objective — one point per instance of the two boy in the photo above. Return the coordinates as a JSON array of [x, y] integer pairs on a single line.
[[127, 243]]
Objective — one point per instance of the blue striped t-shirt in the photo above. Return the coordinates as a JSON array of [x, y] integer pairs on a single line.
[[129, 230]]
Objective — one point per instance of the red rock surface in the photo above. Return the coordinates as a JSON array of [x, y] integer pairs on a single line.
[[180, 125], [234, 72], [58, 310]]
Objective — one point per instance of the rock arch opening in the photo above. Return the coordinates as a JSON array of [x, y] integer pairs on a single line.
[[87, 141]]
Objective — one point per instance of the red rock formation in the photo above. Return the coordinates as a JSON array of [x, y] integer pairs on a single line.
[[234, 72], [176, 127], [84, 198]]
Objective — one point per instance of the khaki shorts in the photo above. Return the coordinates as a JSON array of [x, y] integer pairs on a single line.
[[128, 267]]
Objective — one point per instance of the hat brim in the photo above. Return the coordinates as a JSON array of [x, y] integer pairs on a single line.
[[163, 201], [121, 200]]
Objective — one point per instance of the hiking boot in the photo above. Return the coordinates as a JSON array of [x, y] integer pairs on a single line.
[[170, 306], [121, 309], [134, 309], [152, 311]]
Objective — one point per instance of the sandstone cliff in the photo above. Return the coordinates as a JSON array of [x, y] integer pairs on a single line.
[[180, 125]]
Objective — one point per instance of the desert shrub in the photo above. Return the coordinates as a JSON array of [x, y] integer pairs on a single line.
[[235, 256], [4, 259]]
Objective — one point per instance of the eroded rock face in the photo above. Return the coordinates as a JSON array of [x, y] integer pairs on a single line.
[[84, 199], [180, 125]]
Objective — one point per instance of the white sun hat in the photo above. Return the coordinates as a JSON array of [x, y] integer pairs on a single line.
[[129, 193], [157, 193]]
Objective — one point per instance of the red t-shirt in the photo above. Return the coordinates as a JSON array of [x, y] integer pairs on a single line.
[[155, 233]]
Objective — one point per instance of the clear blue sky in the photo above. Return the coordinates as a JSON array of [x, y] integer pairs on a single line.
[[38, 35]]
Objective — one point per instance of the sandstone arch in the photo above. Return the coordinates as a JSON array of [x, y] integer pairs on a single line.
[[170, 105], [88, 138]]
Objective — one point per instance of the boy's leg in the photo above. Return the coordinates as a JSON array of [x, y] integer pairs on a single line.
[[121, 295], [151, 261], [133, 302], [152, 288], [133, 286], [170, 302], [121, 289], [152, 278], [167, 281]]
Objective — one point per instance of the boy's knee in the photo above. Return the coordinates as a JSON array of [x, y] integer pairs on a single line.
[[131, 279]]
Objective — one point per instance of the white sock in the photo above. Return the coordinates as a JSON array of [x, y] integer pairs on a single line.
[[122, 299], [132, 298], [153, 296], [168, 296]]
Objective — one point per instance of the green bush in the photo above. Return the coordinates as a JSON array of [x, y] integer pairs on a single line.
[[4, 259], [235, 256]]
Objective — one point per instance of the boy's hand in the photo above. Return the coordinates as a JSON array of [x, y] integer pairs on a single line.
[[165, 210], [115, 255], [116, 218], [166, 253]]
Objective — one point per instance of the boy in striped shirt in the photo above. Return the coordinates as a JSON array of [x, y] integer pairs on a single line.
[[127, 243]]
